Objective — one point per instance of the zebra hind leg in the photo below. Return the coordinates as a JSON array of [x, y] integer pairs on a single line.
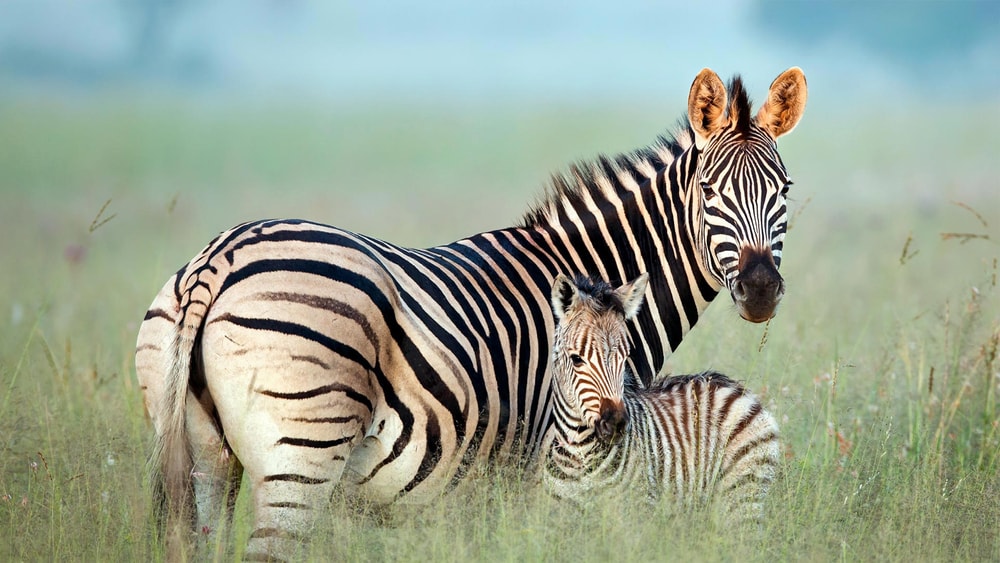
[[288, 501], [297, 467], [292, 412], [216, 475]]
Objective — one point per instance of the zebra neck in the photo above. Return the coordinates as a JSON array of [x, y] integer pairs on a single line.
[[573, 431], [640, 225], [577, 450]]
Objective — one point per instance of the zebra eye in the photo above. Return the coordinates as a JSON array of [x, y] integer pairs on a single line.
[[576, 359], [784, 189], [708, 190]]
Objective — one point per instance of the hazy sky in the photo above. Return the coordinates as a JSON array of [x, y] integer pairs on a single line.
[[454, 50]]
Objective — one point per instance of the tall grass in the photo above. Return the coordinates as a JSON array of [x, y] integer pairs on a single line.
[[882, 366]]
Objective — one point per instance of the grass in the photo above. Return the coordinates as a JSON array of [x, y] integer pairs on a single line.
[[882, 366]]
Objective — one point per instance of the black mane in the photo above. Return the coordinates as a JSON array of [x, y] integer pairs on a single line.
[[739, 105], [600, 293], [584, 177], [713, 378]]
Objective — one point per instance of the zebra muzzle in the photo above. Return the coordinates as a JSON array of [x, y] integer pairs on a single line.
[[759, 287], [612, 421]]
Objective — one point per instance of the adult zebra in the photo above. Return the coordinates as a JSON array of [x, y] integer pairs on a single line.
[[686, 440], [310, 357]]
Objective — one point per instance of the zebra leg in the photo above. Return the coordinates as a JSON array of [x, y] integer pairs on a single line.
[[216, 473], [294, 478], [292, 417]]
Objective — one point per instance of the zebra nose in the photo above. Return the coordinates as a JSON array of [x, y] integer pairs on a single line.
[[612, 421], [758, 288], [759, 284]]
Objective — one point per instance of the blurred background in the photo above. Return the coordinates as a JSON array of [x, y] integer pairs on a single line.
[[133, 131], [346, 110], [448, 52]]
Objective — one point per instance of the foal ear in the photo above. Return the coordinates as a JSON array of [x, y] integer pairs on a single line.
[[786, 102], [707, 106], [632, 294], [563, 296]]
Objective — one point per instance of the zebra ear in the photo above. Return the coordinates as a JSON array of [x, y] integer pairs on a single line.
[[707, 106], [563, 296], [632, 294], [786, 101]]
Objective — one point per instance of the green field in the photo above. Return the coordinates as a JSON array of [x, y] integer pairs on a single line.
[[882, 365]]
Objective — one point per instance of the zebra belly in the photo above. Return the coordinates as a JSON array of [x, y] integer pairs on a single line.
[[368, 476], [373, 471], [411, 461]]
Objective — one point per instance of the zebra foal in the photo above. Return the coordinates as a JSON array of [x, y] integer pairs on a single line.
[[690, 439]]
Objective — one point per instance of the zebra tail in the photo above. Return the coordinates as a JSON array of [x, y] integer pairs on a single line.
[[171, 464]]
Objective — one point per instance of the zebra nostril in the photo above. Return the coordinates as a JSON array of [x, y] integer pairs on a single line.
[[603, 429], [607, 429], [739, 290], [776, 288]]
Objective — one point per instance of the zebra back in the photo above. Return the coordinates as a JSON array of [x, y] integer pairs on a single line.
[[724, 444]]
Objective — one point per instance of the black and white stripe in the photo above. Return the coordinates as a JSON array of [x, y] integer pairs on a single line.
[[311, 357], [684, 441]]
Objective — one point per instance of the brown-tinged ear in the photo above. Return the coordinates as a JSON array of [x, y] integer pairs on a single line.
[[786, 102], [631, 295], [706, 106], [563, 296]]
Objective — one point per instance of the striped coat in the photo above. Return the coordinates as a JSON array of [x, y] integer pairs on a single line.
[[314, 359]]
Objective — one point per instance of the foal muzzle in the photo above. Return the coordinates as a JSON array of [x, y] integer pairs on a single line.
[[612, 421]]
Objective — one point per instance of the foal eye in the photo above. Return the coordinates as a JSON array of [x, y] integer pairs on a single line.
[[576, 359]]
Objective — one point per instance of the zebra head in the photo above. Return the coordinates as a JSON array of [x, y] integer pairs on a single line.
[[739, 185], [589, 350]]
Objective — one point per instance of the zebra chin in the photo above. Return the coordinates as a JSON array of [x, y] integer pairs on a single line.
[[758, 288]]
